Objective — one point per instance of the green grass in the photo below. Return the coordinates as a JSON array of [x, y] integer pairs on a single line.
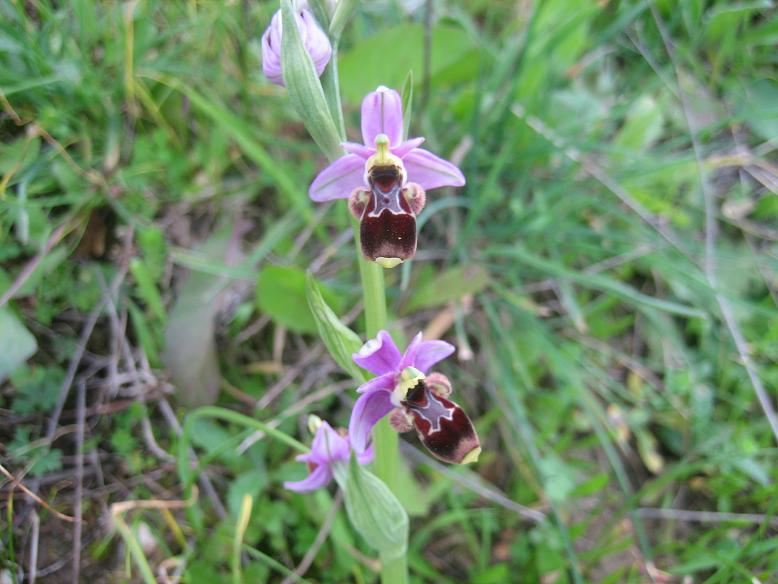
[[606, 270]]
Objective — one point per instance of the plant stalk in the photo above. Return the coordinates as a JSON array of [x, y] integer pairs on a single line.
[[385, 439]]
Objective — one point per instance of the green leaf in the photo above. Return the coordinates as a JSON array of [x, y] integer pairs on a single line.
[[46, 266], [757, 104], [407, 100], [558, 478], [147, 289], [344, 12], [16, 343], [281, 293], [190, 348], [17, 155], [48, 461], [386, 57], [237, 129], [251, 482], [375, 512], [305, 91], [642, 126], [341, 341], [37, 388], [451, 285]]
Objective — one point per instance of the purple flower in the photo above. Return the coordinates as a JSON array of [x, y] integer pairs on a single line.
[[329, 455], [385, 180], [314, 39], [416, 398]]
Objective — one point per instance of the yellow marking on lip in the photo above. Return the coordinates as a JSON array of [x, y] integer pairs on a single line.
[[314, 422], [409, 378], [383, 156], [472, 456], [388, 262]]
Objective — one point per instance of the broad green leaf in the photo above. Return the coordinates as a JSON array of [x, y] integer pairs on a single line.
[[341, 341], [16, 343], [451, 285], [386, 58], [211, 437], [281, 293], [592, 485], [375, 512], [642, 126], [251, 482], [558, 479], [495, 574], [757, 104], [190, 349]]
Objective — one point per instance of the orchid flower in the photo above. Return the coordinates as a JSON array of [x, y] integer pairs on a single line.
[[314, 40], [385, 180], [328, 457], [414, 397]]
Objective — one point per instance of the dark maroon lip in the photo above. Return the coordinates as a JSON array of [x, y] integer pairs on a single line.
[[388, 224], [385, 178], [388, 234], [442, 426]]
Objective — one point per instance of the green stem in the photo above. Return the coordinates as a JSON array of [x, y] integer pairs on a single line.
[[385, 439], [394, 571], [373, 292], [331, 87]]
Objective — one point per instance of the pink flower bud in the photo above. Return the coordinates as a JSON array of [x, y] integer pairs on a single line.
[[314, 39]]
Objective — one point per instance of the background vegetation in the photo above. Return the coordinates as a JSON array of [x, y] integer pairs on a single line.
[[609, 275]]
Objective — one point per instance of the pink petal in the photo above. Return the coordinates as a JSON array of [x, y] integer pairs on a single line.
[[409, 356], [379, 355], [315, 41], [339, 179], [367, 456], [271, 50], [407, 146], [328, 445], [382, 113], [359, 149], [430, 352], [385, 382], [430, 171], [369, 408], [319, 478]]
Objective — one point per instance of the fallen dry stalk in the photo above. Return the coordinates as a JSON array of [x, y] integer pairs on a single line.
[[17, 483]]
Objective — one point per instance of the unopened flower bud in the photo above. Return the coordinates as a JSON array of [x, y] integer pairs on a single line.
[[315, 41]]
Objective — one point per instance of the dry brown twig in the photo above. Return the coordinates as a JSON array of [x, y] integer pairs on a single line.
[[77, 495], [123, 507], [18, 483]]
